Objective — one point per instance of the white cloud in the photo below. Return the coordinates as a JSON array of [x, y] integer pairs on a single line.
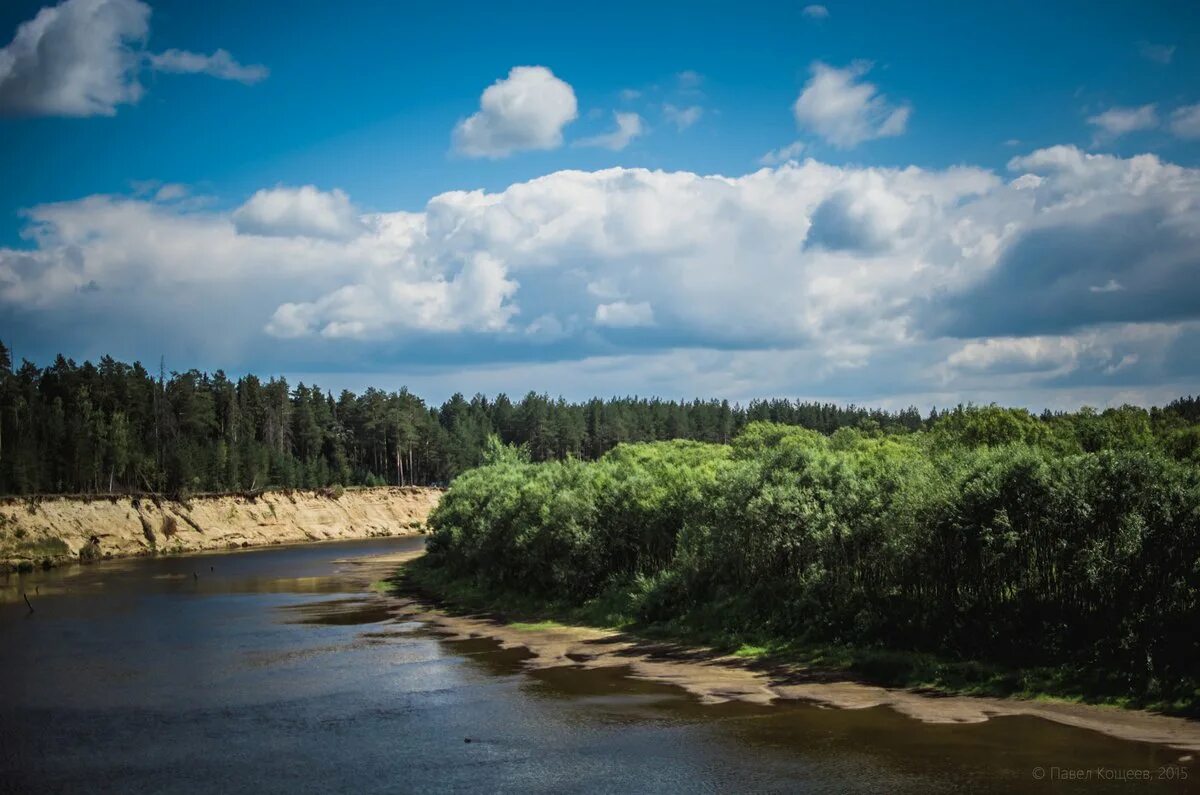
[[870, 281], [78, 58], [816, 12], [1071, 179], [1022, 353], [1105, 351], [783, 154], [1110, 286], [1116, 122], [526, 110], [1159, 53], [474, 299], [622, 315], [85, 57], [629, 126], [1185, 121], [303, 211], [1027, 182], [291, 321], [845, 110], [474, 260], [866, 216], [682, 118], [170, 192], [220, 64]]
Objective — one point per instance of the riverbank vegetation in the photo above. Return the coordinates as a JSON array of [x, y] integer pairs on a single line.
[[990, 551], [116, 427]]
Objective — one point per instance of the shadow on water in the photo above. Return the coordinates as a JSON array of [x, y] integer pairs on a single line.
[[339, 612]]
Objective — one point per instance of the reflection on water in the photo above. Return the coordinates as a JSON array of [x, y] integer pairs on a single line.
[[279, 671]]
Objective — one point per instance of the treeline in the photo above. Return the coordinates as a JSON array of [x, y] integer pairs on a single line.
[[1067, 543], [111, 426]]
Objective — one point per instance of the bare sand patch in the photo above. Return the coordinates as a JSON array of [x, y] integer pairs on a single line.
[[716, 678]]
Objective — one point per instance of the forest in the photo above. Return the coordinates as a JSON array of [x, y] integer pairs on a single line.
[[1067, 543], [116, 427], [1060, 539]]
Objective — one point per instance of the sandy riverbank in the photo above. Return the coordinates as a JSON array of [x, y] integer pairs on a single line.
[[56, 530], [716, 678]]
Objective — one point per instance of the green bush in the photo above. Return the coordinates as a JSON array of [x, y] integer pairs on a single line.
[[996, 536]]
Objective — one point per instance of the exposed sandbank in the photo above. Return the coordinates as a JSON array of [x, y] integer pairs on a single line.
[[716, 678]]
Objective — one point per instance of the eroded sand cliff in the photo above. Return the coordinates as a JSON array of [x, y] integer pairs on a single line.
[[55, 530]]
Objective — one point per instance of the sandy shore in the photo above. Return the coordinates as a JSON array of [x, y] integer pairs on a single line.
[[716, 678]]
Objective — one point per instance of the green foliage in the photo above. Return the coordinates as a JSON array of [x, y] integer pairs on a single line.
[[496, 451], [1068, 542], [111, 426], [990, 425]]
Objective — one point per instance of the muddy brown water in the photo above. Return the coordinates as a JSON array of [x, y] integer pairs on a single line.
[[278, 670]]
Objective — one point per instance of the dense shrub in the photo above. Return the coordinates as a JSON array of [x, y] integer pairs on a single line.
[[996, 536]]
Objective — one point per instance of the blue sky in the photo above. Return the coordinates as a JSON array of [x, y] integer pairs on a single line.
[[891, 254]]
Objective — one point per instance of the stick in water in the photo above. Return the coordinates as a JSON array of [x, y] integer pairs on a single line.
[[27, 601]]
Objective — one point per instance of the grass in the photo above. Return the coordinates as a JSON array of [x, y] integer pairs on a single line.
[[536, 626], [45, 548], [616, 609], [28, 552]]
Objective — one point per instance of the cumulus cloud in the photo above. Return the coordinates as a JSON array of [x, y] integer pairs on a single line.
[[1096, 354], [526, 110], [1092, 221], [623, 315], [1076, 271], [1022, 353], [867, 217], [473, 299], [78, 58], [816, 12], [845, 110], [629, 126], [85, 58], [220, 64], [1185, 121], [304, 211], [1116, 122], [1110, 349], [682, 118]]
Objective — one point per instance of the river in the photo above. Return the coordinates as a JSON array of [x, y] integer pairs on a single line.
[[279, 670]]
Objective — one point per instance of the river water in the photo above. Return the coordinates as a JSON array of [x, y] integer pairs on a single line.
[[280, 671]]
